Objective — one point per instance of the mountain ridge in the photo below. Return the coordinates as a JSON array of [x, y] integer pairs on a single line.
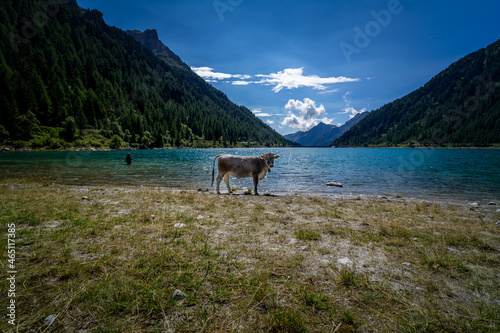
[[323, 134], [80, 82], [460, 106], [149, 38]]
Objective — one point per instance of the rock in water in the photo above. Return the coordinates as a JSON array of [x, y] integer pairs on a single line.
[[334, 184]]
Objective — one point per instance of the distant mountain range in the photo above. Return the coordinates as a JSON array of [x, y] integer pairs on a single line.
[[458, 107], [323, 134]]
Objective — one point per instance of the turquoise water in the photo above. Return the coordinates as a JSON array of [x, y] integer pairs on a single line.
[[466, 174]]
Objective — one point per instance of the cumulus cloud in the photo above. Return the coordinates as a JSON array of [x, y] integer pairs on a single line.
[[308, 116], [348, 108], [293, 78], [289, 78]]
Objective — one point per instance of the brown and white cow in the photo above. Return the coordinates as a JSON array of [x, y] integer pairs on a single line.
[[243, 166]]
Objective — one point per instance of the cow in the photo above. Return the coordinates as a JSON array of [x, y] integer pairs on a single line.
[[243, 166]]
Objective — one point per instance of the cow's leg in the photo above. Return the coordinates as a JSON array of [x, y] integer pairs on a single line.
[[255, 183], [226, 180], [219, 179]]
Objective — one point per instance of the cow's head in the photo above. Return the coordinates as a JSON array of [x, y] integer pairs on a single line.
[[269, 159]]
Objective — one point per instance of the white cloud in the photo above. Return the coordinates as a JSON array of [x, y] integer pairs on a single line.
[[292, 78], [289, 78], [328, 91], [241, 83], [259, 113], [242, 76], [309, 114], [270, 122], [327, 121], [348, 108], [208, 74]]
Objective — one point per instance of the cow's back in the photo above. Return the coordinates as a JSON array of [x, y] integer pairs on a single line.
[[240, 166]]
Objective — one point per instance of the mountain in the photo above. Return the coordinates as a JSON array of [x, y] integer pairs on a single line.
[[149, 38], [323, 134], [310, 137], [72, 80], [458, 107]]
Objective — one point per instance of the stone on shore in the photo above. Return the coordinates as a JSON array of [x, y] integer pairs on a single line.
[[49, 320], [178, 295], [344, 261]]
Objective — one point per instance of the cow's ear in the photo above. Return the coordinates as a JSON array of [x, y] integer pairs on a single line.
[[263, 156], [276, 156]]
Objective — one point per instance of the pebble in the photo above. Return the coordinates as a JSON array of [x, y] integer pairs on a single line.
[[344, 261], [85, 198], [492, 203], [49, 320], [179, 225], [303, 248], [178, 295], [474, 204], [406, 264], [292, 241]]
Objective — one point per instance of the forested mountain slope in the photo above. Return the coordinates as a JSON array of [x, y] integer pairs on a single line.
[[66, 76], [458, 107]]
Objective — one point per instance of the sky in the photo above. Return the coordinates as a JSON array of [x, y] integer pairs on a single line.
[[296, 63]]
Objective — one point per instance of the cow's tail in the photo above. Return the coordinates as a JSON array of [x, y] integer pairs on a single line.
[[213, 169]]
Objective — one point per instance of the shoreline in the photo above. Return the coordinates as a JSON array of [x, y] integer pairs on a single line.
[[70, 149], [483, 204]]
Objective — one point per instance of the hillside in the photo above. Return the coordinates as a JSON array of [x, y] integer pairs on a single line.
[[73, 80], [458, 107], [323, 134], [149, 38]]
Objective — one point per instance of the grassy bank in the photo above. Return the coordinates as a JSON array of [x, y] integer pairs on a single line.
[[105, 259]]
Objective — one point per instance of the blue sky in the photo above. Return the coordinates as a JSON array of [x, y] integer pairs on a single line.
[[295, 63]]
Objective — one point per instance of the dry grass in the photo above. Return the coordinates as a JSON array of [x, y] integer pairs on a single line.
[[111, 262]]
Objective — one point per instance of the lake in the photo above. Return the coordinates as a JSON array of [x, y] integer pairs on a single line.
[[463, 174]]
